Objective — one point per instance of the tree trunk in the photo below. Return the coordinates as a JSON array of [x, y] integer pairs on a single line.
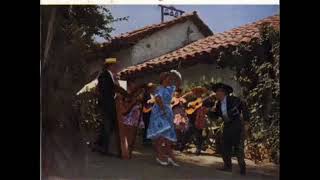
[[63, 150]]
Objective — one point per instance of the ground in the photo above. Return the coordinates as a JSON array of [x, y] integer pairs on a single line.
[[143, 166]]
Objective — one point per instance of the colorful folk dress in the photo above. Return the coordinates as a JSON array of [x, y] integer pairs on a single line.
[[161, 120], [134, 117], [180, 118]]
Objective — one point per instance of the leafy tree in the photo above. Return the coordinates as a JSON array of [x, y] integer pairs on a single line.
[[67, 47], [264, 95]]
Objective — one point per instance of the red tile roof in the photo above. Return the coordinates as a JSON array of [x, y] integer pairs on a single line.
[[211, 45], [130, 38]]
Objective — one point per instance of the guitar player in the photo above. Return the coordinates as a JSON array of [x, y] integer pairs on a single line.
[[197, 122]]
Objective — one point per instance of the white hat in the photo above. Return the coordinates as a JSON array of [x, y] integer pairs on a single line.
[[177, 73]]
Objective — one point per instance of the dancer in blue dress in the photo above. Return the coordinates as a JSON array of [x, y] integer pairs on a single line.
[[161, 126]]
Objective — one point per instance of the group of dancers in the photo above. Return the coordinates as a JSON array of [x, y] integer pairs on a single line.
[[168, 119]]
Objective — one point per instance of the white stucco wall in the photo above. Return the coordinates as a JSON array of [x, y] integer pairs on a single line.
[[199, 72], [164, 41], [159, 43]]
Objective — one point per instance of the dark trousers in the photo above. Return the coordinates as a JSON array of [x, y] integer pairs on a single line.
[[180, 135], [108, 128], [233, 139], [192, 130], [146, 119], [104, 132]]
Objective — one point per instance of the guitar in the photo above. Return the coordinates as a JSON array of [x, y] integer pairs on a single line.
[[196, 104], [175, 101]]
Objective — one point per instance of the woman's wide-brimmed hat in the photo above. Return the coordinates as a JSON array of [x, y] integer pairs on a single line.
[[176, 74], [228, 89]]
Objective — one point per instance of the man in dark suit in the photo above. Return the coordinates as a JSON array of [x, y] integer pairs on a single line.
[[230, 108], [107, 88]]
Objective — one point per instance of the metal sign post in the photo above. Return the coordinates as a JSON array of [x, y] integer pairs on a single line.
[[170, 11]]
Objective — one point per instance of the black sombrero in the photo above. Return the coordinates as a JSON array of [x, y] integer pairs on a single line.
[[228, 89]]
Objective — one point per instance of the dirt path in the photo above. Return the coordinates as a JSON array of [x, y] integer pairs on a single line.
[[144, 167]]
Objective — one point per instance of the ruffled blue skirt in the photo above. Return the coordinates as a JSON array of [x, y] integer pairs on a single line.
[[161, 124]]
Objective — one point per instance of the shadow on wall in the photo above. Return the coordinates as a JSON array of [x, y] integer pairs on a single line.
[[199, 73]]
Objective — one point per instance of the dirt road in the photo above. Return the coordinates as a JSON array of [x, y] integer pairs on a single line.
[[144, 167]]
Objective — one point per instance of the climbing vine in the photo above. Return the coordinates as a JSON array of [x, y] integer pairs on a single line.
[[257, 71]]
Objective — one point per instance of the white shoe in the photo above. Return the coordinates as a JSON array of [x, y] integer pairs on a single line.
[[163, 163], [171, 161]]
